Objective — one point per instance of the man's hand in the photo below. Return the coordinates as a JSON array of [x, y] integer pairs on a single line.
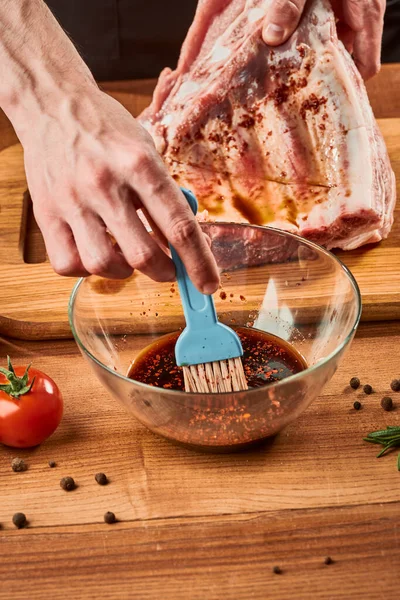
[[360, 27], [89, 167], [89, 164]]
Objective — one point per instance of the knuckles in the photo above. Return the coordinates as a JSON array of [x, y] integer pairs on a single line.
[[377, 8], [141, 259], [68, 267], [181, 230], [288, 10], [101, 178], [99, 265], [139, 162]]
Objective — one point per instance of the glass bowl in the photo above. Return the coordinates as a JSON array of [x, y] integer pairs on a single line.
[[271, 280]]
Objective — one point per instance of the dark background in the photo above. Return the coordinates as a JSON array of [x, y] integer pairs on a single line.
[[134, 39]]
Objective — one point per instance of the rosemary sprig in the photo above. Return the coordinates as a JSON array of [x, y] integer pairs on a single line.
[[388, 438]]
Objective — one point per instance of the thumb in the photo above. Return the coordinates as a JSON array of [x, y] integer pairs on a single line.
[[281, 21]]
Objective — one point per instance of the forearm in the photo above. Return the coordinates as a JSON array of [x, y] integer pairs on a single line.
[[39, 65]]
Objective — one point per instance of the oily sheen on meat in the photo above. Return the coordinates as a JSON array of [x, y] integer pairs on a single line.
[[282, 137]]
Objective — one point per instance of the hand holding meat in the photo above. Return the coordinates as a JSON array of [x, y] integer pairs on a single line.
[[359, 24], [281, 136], [89, 164]]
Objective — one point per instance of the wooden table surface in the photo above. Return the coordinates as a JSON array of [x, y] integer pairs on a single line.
[[198, 526]]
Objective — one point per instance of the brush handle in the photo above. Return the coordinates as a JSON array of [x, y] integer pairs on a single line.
[[199, 309]]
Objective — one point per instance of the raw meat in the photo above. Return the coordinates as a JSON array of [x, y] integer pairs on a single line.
[[282, 137], [235, 246]]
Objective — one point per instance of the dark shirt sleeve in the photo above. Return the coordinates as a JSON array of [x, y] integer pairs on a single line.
[[391, 34], [135, 39], [126, 39]]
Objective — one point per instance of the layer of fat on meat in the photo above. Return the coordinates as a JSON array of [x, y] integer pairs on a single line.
[[187, 87], [219, 52], [254, 14]]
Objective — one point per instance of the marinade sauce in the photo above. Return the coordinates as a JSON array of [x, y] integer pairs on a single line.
[[266, 359]]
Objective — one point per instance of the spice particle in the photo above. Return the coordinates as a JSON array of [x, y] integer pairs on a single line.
[[367, 389], [19, 520], [18, 465], [387, 403], [357, 405], [395, 385], [354, 383], [52, 464], [109, 518], [277, 570], [101, 478], [328, 560], [67, 484]]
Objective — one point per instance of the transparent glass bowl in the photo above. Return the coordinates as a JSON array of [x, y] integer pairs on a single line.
[[271, 280]]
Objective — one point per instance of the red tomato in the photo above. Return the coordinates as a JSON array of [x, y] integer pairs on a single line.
[[31, 417]]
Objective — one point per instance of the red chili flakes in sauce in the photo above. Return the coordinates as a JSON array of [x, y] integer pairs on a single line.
[[266, 359]]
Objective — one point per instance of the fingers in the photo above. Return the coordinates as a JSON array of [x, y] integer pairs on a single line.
[[157, 233], [140, 250], [368, 40], [97, 253], [281, 21], [346, 35], [354, 13], [170, 211], [61, 248]]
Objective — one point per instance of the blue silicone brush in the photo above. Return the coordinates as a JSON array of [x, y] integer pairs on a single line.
[[209, 351]]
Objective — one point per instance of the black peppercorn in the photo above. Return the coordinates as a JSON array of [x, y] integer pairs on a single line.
[[387, 403], [18, 465], [367, 389], [357, 405], [395, 385], [109, 518], [52, 464], [101, 478], [67, 484], [277, 570], [19, 520], [328, 560], [354, 383]]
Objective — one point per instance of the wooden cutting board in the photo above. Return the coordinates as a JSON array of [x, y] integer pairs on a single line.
[[33, 299]]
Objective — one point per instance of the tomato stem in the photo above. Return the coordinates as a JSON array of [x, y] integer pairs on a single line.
[[16, 386]]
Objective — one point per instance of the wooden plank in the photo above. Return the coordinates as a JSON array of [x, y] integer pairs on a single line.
[[213, 558], [196, 526], [34, 299], [383, 92], [318, 461]]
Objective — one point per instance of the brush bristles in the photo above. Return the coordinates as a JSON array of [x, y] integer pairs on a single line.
[[217, 377]]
